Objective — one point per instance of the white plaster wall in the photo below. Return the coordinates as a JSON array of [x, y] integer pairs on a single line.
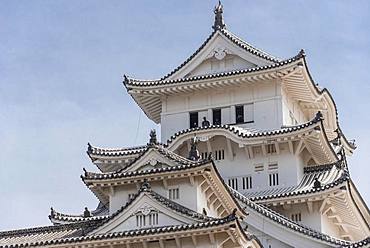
[[290, 166], [312, 220], [265, 97], [188, 193]]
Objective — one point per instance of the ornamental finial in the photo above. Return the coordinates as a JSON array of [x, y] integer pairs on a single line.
[[194, 153], [219, 20], [153, 137]]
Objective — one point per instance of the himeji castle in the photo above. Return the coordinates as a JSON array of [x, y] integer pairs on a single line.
[[251, 154]]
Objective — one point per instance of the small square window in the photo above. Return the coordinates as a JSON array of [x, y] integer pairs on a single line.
[[174, 194]]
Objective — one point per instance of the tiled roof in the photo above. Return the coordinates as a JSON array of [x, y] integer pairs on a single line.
[[143, 83], [146, 189], [284, 221], [100, 213], [129, 233], [362, 243], [246, 133], [91, 150], [233, 38], [182, 164], [328, 175], [39, 235]]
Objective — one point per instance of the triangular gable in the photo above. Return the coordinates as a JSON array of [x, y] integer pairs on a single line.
[[154, 158], [146, 210], [222, 51]]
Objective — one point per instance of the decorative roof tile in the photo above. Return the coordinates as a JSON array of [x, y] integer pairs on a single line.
[[144, 83], [284, 221]]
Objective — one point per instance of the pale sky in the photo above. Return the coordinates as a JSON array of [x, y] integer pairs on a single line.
[[61, 67]]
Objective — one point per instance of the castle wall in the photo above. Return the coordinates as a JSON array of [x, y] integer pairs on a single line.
[[262, 107], [236, 165]]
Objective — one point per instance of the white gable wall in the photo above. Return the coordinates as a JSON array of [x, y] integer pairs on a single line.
[[219, 48], [187, 194]]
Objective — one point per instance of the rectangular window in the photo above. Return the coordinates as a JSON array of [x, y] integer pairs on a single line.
[[204, 155], [194, 119], [219, 155], [148, 220], [239, 114], [153, 219], [174, 193], [296, 217], [140, 220], [233, 183], [271, 148], [216, 116], [247, 182], [273, 179]]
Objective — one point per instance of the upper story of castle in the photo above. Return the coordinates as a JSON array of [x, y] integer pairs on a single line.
[[227, 81]]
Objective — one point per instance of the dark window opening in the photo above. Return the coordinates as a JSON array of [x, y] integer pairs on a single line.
[[194, 119], [239, 114], [216, 116]]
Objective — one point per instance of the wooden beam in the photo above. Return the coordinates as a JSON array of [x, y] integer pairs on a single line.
[[247, 152], [263, 149], [191, 179], [231, 236], [145, 244], [277, 148], [165, 185], [250, 149], [212, 238], [161, 243], [194, 239], [310, 206], [178, 243], [323, 204], [229, 149], [298, 149], [209, 147]]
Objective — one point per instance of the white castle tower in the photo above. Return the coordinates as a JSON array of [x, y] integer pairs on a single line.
[[251, 155]]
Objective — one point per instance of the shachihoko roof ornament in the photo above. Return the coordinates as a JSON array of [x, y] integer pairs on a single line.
[[219, 20]]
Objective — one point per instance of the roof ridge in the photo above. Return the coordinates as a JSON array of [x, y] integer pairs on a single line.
[[129, 233], [146, 188], [49, 228], [140, 82], [282, 220]]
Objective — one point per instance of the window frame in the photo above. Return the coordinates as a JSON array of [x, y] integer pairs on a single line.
[[218, 110], [193, 122], [237, 109]]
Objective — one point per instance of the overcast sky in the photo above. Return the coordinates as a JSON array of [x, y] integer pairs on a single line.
[[61, 67]]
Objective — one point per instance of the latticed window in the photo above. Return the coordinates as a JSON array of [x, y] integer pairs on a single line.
[[274, 179], [174, 193], [296, 217], [247, 182], [233, 183], [219, 154], [148, 220], [271, 148]]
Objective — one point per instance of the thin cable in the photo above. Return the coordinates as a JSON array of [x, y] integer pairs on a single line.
[[137, 128]]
